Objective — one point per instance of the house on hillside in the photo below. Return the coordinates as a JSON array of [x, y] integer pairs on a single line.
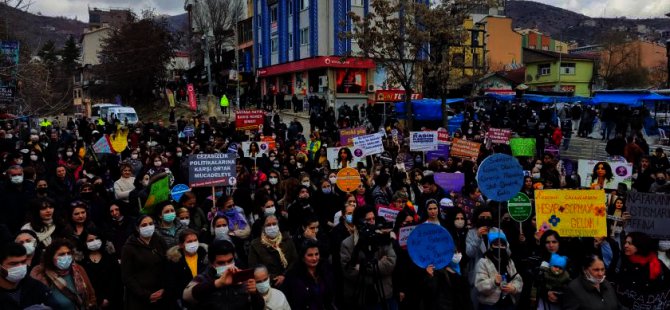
[[571, 74]]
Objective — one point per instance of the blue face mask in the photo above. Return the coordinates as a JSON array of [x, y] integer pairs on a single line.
[[327, 191], [169, 217], [221, 269], [349, 218], [230, 212], [64, 262], [263, 287]]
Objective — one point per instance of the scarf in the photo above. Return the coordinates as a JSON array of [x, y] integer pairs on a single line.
[[275, 243], [44, 236], [651, 259], [79, 296]]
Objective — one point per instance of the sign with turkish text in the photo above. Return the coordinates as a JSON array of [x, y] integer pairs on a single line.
[[500, 177], [249, 119], [422, 141], [499, 135], [388, 214], [369, 144], [572, 213], [403, 235], [348, 179], [430, 244], [347, 135], [520, 207], [450, 182], [205, 170], [604, 174], [465, 149], [650, 214], [342, 157], [393, 95]]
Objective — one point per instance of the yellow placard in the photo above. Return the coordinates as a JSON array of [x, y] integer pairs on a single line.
[[572, 213], [119, 140]]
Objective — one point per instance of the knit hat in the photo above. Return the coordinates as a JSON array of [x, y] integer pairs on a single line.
[[558, 261], [495, 235]]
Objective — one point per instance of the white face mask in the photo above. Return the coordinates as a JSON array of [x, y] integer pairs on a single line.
[[263, 287], [272, 231], [158, 163], [270, 211], [17, 179], [459, 223], [221, 269], [617, 230], [305, 184], [332, 180], [33, 157], [664, 245], [68, 154], [536, 175], [185, 222], [94, 245], [179, 154], [274, 181], [191, 247], [147, 231], [593, 279], [300, 165], [221, 232], [16, 273], [30, 247], [457, 258], [134, 156]]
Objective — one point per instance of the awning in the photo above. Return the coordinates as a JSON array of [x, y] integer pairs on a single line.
[[424, 109], [655, 97], [633, 99]]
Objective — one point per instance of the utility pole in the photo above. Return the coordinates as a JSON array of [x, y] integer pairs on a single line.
[[667, 50], [237, 65], [208, 64]]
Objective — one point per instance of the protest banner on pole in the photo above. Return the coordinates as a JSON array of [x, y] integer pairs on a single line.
[[650, 214], [205, 170], [450, 181], [347, 135], [159, 191], [102, 146], [500, 177], [403, 234], [422, 141], [254, 149], [523, 147], [430, 244], [465, 149], [249, 119], [369, 144], [388, 214], [572, 213], [499, 135], [604, 174], [348, 179]]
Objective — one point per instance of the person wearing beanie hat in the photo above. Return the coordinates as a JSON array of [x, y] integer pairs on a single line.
[[546, 292], [497, 281]]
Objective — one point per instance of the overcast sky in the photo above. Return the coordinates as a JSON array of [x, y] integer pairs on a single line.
[[593, 8]]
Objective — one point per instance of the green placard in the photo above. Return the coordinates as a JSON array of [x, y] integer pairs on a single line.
[[522, 146], [519, 207]]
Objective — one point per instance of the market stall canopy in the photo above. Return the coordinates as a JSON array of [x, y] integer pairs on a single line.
[[424, 109]]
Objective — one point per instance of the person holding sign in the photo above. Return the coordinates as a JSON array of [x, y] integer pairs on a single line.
[[497, 280]]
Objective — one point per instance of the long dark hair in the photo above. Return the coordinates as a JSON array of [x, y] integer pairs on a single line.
[[36, 205], [48, 256]]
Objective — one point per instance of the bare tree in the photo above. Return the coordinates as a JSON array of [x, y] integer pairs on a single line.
[[219, 19], [22, 5], [619, 63]]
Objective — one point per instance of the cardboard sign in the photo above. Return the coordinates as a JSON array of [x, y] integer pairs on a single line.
[[352, 158], [422, 141], [519, 207], [442, 151], [523, 147], [206, 170], [270, 141], [450, 181], [347, 135], [178, 191], [499, 136], [348, 179], [102, 146], [255, 149], [608, 177], [465, 149], [572, 213], [650, 214], [500, 177], [369, 144], [403, 235], [430, 244], [388, 214], [249, 119]]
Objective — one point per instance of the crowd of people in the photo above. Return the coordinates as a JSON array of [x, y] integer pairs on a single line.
[[76, 234]]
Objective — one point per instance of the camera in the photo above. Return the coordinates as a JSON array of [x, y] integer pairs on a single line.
[[372, 235]]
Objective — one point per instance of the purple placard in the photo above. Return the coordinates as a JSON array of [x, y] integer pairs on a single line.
[[450, 181], [442, 151]]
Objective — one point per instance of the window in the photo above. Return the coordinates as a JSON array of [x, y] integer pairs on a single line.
[[458, 60], [304, 4], [568, 68], [274, 44], [544, 69], [290, 40], [357, 2], [273, 14], [304, 36]]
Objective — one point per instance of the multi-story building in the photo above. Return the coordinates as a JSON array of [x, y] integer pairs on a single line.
[[298, 50], [533, 38], [548, 71]]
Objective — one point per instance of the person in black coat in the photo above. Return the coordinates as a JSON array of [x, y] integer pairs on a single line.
[[309, 284], [19, 291], [103, 271], [189, 248]]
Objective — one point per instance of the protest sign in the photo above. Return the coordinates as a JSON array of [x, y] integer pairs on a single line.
[[403, 234], [519, 207], [430, 244], [255, 149], [650, 214], [159, 191], [421, 141], [249, 119], [604, 174], [388, 214], [347, 135], [572, 213], [465, 149], [272, 144], [102, 146], [499, 135], [442, 151], [523, 147], [211, 169], [450, 181], [500, 177], [348, 179], [443, 136], [178, 191], [369, 144], [348, 157], [192, 100], [119, 140], [189, 131]]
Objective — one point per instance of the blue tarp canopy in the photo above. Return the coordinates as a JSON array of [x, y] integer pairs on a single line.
[[540, 98], [633, 99], [655, 97], [501, 97], [424, 109]]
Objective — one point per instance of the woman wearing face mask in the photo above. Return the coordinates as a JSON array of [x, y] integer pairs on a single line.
[[157, 165], [187, 259], [311, 230], [144, 270], [135, 161], [476, 242], [641, 271], [300, 208], [118, 226], [168, 226], [37, 162], [42, 221], [274, 250], [103, 270], [34, 249], [590, 290], [124, 185], [267, 208], [407, 280], [138, 196], [68, 281], [497, 282], [274, 179], [78, 225], [309, 284], [219, 228], [341, 231], [535, 172], [329, 204], [456, 225]]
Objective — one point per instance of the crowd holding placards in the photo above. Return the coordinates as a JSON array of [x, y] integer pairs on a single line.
[[91, 222]]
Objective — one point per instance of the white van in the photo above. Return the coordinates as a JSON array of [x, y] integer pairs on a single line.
[[100, 110], [123, 114]]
